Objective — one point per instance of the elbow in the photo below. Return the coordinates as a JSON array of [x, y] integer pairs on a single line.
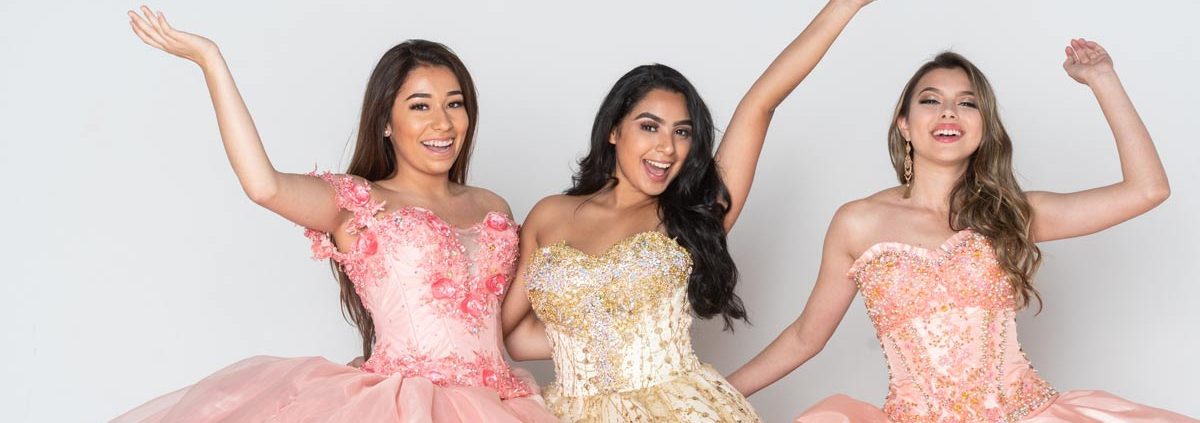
[[260, 194], [808, 347], [1158, 193], [809, 350]]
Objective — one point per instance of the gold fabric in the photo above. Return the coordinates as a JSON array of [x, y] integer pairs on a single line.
[[619, 324]]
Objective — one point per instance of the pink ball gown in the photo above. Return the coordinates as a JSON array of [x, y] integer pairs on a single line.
[[433, 291], [945, 319]]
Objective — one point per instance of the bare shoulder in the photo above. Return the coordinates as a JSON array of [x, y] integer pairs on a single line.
[[548, 213], [488, 200], [856, 222], [551, 208], [866, 211]]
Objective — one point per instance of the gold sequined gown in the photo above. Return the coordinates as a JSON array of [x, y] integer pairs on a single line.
[[619, 325]]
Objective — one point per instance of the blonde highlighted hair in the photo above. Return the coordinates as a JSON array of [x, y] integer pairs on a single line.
[[987, 198]]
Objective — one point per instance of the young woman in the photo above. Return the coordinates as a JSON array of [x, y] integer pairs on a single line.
[[945, 260], [612, 270], [422, 258]]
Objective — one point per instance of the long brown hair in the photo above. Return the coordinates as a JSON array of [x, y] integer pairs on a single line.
[[374, 156], [986, 198]]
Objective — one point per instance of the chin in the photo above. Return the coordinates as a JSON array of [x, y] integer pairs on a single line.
[[654, 189]]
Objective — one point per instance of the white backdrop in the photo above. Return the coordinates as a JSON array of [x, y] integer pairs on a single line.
[[135, 265]]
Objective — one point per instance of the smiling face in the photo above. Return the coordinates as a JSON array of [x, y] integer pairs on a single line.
[[429, 120], [943, 122], [652, 141]]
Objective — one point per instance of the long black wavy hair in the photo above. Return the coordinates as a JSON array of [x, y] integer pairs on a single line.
[[694, 205]]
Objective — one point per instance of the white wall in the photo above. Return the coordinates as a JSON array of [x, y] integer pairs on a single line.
[[134, 264]]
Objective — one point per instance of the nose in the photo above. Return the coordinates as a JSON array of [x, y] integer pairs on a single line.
[[665, 145], [441, 121], [949, 113]]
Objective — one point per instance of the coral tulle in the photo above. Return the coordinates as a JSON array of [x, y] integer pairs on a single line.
[[1073, 406]]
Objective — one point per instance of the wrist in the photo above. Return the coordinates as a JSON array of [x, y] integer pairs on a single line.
[[850, 5], [211, 59], [1102, 77]]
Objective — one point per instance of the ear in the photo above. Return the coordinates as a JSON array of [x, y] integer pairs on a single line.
[[612, 136], [902, 124], [387, 129]]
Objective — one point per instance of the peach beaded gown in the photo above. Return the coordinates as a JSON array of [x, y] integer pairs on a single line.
[[619, 326], [433, 291], [945, 319]]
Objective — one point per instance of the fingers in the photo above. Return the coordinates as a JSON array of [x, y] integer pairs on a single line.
[[144, 37], [163, 28], [147, 23], [1091, 51], [143, 31], [155, 29], [1083, 53], [1101, 53], [167, 28], [1094, 51], [1070, 57]]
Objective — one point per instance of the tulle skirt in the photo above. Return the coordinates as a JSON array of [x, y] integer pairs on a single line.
[[700, 395], [313, 389], [1073, 406]]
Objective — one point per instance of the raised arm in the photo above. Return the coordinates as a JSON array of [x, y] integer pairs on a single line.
[[1143, 184], [826, 306], [303, 199], [524, 334], [737, 156]]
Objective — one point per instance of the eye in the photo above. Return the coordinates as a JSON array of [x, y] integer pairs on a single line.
[[929, 101], [968, 103], [457, 104], [418, 106], [649, 127], [684, 132]]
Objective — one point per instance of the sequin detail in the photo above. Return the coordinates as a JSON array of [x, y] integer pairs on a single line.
[[946, 322], [432, 289], [619, 326]]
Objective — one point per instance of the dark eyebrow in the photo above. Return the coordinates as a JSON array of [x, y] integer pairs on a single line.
[[650, 116], [423, 95], [687, 122]]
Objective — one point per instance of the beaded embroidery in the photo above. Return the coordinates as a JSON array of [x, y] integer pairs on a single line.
[[619, 326], [458, 284], [946, 317]]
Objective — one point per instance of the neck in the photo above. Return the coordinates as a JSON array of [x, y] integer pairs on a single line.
[[425, 185], [625, 196], [932, 183]]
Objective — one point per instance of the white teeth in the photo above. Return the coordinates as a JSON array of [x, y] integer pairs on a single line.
[[947, 132], [437, 143], [660, 165]]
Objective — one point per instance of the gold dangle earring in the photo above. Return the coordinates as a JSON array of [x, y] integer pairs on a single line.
[[908, 168]]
